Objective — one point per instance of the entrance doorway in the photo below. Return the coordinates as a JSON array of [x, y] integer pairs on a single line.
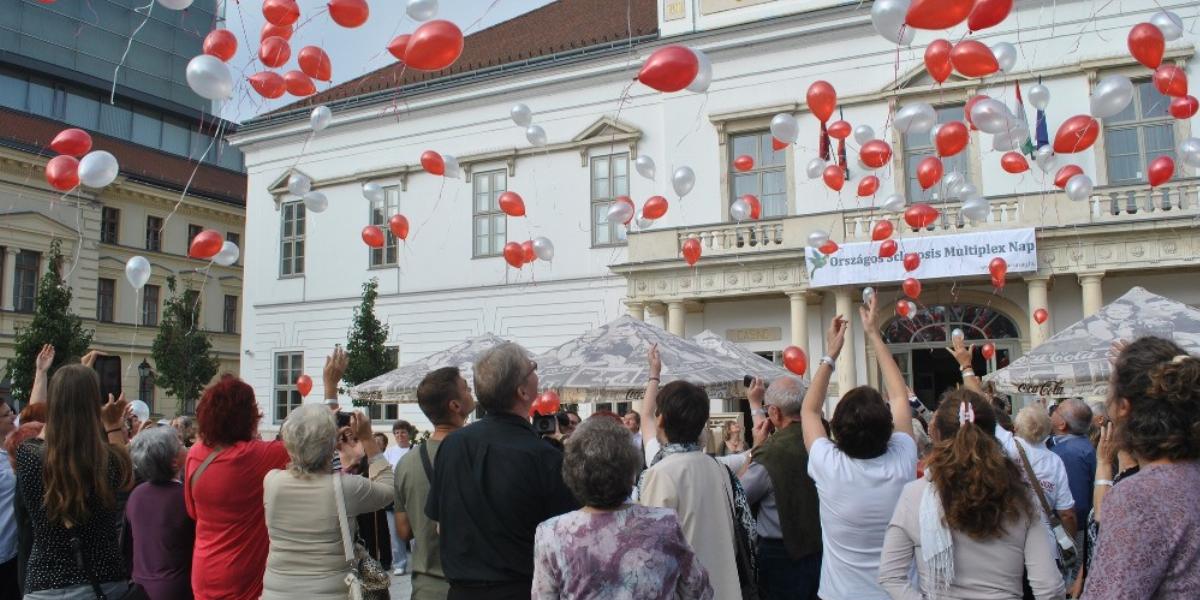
[[919, 345]]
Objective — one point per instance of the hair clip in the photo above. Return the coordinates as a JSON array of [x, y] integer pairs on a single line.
[[1179, 358], [966, 413]]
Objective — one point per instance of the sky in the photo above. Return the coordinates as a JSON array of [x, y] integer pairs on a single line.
[[352, 52]]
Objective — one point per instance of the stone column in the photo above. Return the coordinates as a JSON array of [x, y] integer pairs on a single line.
[[7, 295], [1093, 294], [798, 301], [675, 317], [846, 376], [637, 310], [1037, 299]]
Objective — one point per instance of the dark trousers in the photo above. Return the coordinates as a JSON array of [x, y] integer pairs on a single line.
[[512, 590], [8, 581], [782, 578]]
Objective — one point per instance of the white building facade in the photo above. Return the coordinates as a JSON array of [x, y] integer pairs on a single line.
[[752, 284]]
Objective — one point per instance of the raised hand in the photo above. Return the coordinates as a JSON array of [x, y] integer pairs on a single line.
[[45, 358], [655, 361], [114, 412], [756, 393], [961, 352], [335, 365], [867, 313], [835, 337]]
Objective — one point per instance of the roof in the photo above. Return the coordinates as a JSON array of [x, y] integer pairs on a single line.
[[139, 163], [562, 25]]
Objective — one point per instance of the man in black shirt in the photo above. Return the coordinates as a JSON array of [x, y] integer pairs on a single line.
[[493, 482]]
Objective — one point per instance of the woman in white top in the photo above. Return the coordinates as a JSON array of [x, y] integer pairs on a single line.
[[860, 473]]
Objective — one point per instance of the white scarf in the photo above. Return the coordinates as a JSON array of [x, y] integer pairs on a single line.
[[937, 547]]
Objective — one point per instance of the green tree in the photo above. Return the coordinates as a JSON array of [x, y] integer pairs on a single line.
[[53, 323], [182, 353], [365, 346]]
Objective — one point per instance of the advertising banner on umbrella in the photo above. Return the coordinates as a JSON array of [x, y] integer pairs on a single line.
[[941, 256]]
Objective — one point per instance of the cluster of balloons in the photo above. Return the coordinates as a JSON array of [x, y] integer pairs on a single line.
[[519, 254], [898, 20], [300, 185], [444, 165], [372, 235], [1147, 43], [77, 163], [970, 58], [523, 117], [433, 46], [676, 68]]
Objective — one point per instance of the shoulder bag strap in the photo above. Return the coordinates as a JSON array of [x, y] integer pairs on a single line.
[[425, 462], [343, 520], [77, 548], [1035, 484], [199, 470]]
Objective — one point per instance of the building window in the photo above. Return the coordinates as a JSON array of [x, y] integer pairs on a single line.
[[288, 368], [386, 412], [105, 299], [230, 314], [25, 280], [1137, 135], [490, 224], [919, 146], [610, 179], [767, 180], [291, 240], [154, 227], [150, 305], [235, 239], [193, 231], [381, 211], [110, 222]]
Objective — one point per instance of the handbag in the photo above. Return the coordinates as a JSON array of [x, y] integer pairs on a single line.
[[367, 579], [1068, 555], [743, 555], [133, 592]]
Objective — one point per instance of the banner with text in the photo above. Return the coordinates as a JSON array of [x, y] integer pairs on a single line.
[[941, 256]]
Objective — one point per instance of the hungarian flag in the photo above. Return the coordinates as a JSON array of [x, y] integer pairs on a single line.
[[1027, 146]]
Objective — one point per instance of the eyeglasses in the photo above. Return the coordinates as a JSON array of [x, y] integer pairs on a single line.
[[532, 368]]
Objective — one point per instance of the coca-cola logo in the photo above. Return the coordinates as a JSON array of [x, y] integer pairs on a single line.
[[1048, 388]]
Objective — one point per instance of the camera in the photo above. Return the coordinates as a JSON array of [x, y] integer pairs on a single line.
[[748, 381], [343, 419], [549, 424]]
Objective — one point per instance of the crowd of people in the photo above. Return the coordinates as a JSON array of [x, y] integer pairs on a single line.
[[884, 499]]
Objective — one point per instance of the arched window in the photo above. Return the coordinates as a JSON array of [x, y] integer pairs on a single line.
[[935, 324]]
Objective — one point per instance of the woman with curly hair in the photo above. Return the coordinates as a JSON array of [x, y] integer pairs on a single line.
[[1149, 542], [970, 523]]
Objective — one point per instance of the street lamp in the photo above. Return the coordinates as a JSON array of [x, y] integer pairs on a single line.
[[144, 373]]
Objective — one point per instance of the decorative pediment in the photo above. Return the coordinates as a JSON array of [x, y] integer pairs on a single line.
[[918, 79], [279, 187], [607, 128]]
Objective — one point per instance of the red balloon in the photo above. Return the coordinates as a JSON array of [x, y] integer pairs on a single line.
[[270, 29], [514, 255], [1184, 107], [888, 249], [304, 385], [315, 63], [834, 177], [937, 60], [670, 69], [1014, 163], [281, 12], [829, 247], [691, 250], [62, 172], [221, 43], [1065, 174], [967, 109], [349, 13], [973, 59], [274, 52], [1170, 80], [912, 260], [929, 171], [951, 138], [920, 216], [1040, 315], [882, 230], [777, 145], [1076, 134], [434, 46], [655, 207], [988, 13], [72, 142], [821, 99], [399, 226], [268, 84], [399, 45], [795, 360], [432, 163], [911, 287], [988, 350], [905, 308], [206, 244], [937, 14], [875, 153], [373, 236], [299, 84], [998, 267], [755, 206], [546, 404], [868, 185], [839, 130], [1146, 44], [527, 250], [744, 162], [1160, 170], [511, 203]]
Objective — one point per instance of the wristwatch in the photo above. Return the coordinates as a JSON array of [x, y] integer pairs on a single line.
[[828, 361]]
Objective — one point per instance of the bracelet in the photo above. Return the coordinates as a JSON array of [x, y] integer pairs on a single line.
[[1104, 482], [759, 412], [968, 372], [826, 360], [108, 431], [655, 379], [966, 368]]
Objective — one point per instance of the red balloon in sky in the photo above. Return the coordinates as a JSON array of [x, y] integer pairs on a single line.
[[834, 177], [221, 43], [270, 29], [399, 45], [755, 206], [1040, 315], [1147, 44], [206, 244], [920, 216], [906, 308], [973, 59], [868, 185], [62, 172], [373, 236], [1184, 107], [937, 14], [929, 171], [912, 260], [1160, 171], [670, 69], [399, 226], [912, 287], [1076, 134], [839, 130], [281, 12], [434, 46], [298, 84], [527, 249], [546, 404], [304, 385], [998, 267], [988, 351], [72, 142], [888, 249], [937, 60], [882, 230], [875, 153], [743, 163], [1170, 80], [268, 84], [829, 247], [349, 13], [778, 145], [655, 207], [514, 255], [315, 63], [951, 138], [1014, 163], [691, 251], [511, 204], [274, 52], [795, 360], [822, 99], [432, 163], [1065, 174], [988, 13]]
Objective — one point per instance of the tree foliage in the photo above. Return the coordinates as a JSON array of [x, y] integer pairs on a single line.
[[183, 358], [367, 339]]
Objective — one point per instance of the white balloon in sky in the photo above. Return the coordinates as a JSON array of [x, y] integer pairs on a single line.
[[863, 134], [315, 202], [645, 166], [320, 118], [97, 169], [915, 118], [536, 135], [209, 77], [230, 252], [543, 248], [422, 10], [815, 168], [1039, 96], [868, 293], [785, 128], [1006, 55], [894, 203], [137, 271], [373, 191], [888, 17], [299, 184], [452, 170], [683, 180], [1169, 24], [175, 4], [521, 115], [817, 238], [704, 76]]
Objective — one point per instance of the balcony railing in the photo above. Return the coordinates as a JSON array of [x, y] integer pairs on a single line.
[[735, 238]]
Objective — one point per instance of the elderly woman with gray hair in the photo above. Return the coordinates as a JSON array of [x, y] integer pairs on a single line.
[[610, 548], [158, 532], [306, 557]]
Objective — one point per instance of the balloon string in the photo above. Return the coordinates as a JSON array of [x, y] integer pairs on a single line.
[[200, 295], [149, 8], [199, 161], [434, 211], [133, 341]]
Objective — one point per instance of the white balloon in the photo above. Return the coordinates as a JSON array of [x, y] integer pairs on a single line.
[[815, 168], [315, 202], [957, 334], [140, 409], [320, 118], [785, 128], [536, 135], [1039, 96], [888, 18], [739, 210], [137, 271], [645, 166], [230, 252], [1079, 187], [863, 134], [916, 118], [1004, 142], [950, 183], [976, 209], [965, 190], [422, 10], [1044, 158], [452, 171], [543, 248], [1169, 24], [642, 222], [209, 77], [620, 212], [703, 76], [97, 169], [817, 238], [521, 115], [1189, 152], [1111, 96], [868, 293], [894, 203], [175, 4], [992, 116], [683, 180], [299, 184], [373, 191], [1006, 55]]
